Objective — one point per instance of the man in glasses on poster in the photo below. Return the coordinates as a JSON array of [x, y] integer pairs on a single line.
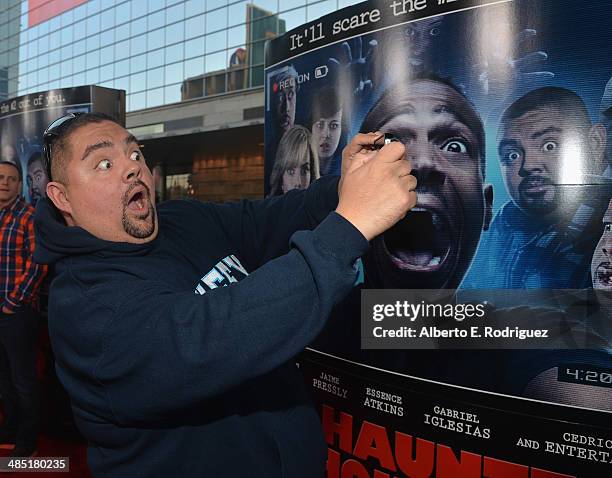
[[175, 326]]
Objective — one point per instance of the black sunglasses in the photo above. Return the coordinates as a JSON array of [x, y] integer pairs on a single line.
[[51, 133]]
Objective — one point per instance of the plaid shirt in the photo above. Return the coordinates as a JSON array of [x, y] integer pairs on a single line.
[[20, 276]]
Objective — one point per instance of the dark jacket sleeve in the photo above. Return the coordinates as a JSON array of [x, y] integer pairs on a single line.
[[165, 351], [262, 229]]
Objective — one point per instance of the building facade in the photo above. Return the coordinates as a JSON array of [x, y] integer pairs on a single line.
[[191, 69]]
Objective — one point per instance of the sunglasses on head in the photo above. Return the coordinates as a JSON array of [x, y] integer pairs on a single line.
[[51, 133]]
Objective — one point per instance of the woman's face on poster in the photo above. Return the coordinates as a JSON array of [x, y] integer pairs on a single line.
[[326, 134], [297, 177]]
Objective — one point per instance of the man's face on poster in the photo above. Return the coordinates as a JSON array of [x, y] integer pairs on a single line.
[[37, 181], [326, 134], [286, 98], [420, 35], [433, 246], [534, 150]]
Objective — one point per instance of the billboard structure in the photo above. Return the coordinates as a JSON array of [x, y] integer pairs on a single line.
[[23, 120], [504, 108]]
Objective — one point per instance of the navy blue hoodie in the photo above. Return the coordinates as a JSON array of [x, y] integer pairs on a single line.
[[177, 354]]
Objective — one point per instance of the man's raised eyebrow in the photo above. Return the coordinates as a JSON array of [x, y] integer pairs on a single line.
[[550, 129], [129, 139], [505, 143], [94, 147]]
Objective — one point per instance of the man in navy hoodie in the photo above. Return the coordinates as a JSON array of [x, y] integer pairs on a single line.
[[175, 327]]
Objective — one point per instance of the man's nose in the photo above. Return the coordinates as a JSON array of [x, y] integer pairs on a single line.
[[532, 163], [132, 171], [425, 168]]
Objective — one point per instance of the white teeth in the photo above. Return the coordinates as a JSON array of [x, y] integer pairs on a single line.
[[435, 261], [419, 209]]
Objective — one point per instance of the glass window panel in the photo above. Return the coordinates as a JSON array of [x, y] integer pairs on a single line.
[[155, 58], [317, 10], [237, 13], [106, 55], [122, 32], [155, 39], [54, 57], [216, 41], [172, 94], [93, 24], [155, 97], [66, 68], [215, 62], [138, 63], [106, 84], [33, 63], [212, 4], [137, 101], [107, 38], [216, 20], [175, 13], [194, 48], [155, 78], [54, 72], [80, 29], [175, 33], [122, 83], [43, 28], [106, 72], [122, 13], [174, 53], [138, 26], [78, 79], [257, 76], [54, 24], [78, 47], [67, 35], [236, 36], [107, 19], [294, 18], [54, 40], [32, 49], [93, 76], [93, 6], [347, 3], [194, 27], [92, 59], [93, 42], [194, 7], [154, 5], [65, 53], [137, 81], [174, 73], [122, 68], [79, 63], [138, 45], [80, 12], [194, 67], [155, 20], [284, 5], [43, 75], [122, 50], [172, 2], [270, 6]]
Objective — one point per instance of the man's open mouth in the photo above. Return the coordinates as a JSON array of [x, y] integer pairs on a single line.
[[138, 200], [604, 274], [419, 242]]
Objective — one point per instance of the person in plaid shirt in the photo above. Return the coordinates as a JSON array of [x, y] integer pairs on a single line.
[[20, 279]]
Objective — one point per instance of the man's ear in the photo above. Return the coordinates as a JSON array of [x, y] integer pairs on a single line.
[[488, 207], [597, 146], [58, 195]]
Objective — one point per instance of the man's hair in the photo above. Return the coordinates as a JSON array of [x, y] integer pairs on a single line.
[[567, 101], [37, 156], [17, 166], [392, 104], [60, 146], [325, 103]]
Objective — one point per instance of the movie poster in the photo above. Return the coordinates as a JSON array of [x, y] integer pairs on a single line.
[[24, 119], [478, 338]]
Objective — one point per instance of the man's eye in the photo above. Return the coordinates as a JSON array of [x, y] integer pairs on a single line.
[[136, 156], [455, 146], [434, 32], [334, 125], [104, 164], [290, 171], [511, 156], [549, 146], [608, 227]]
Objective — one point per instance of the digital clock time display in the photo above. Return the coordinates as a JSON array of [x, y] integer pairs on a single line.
[[585, 374]]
